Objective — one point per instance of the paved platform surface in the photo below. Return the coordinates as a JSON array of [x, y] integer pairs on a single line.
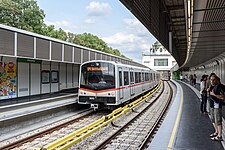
[[22, 109], [193, 130], [18, 100]]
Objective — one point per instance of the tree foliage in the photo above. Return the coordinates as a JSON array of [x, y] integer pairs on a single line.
[[23, 14], [54, 33], [92, 41], [27, 15]]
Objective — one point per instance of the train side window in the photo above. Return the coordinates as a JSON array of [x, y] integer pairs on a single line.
[[120, 78], [131, 77], [146, 76], [136, 77], [142, 77], [139, 79], [126, 78]]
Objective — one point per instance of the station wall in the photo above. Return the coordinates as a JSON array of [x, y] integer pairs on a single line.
[[23, 77], [33, 64], [46, 77], [215, 65]]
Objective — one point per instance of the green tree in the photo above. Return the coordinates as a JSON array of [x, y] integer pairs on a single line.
[[116, 52], [22, 14], [61, 34], [8, 12], [54, 33], [91, 41], [109, 50], [49, 31], [123, 56], [70, 37]]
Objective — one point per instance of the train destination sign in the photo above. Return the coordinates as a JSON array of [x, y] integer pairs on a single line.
[[97, 68]]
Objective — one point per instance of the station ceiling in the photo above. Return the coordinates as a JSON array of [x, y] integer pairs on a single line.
[[196, 28]]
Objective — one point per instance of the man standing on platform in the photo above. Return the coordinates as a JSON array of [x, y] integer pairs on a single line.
[[217, 95]]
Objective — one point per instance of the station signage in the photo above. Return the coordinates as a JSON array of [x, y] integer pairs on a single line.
[[29, 60], [97, 68]]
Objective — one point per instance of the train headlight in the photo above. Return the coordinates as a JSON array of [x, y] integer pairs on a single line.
[[112, 93]]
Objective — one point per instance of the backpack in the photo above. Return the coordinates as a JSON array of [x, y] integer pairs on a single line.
[[218, 90]]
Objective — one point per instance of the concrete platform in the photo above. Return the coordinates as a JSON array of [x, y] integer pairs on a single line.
[[184, 127], [22, 109]]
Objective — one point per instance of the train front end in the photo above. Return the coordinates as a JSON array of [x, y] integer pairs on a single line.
[[97, 84]]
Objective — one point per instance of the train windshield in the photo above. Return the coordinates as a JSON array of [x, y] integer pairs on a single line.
[[97, 76]]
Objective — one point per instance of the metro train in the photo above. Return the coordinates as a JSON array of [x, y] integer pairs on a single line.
[[108, 83]]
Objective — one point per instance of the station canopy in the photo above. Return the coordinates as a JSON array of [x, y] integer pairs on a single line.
[[192, 30]]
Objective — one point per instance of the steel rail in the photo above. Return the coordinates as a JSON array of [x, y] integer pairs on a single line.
[[158, 121], [108, 140], [80, 134], [42, 133]]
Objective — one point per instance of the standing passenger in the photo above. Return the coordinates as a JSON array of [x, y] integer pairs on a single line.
[[191, 79], [181, 77], [203, 92], [211, 104], [194, 79], [217, 95], [186, 77], [208, 84]]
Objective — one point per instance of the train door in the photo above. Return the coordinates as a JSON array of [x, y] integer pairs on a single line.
[[132, 88], [121, 92]]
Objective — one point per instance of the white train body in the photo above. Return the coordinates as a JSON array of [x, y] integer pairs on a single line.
[[111, 83]]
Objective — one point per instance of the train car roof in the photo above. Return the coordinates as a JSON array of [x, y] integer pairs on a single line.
[[118, 64]]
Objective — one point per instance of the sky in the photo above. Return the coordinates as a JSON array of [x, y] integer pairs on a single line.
[[110, 20]]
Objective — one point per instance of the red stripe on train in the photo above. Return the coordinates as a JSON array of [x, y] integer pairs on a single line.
[[113, 89]]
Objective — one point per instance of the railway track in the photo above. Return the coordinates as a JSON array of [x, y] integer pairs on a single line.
[[88, 136], [50, 134], [139, 131]]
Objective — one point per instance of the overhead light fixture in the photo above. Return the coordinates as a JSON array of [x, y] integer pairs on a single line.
[[189, 21], [189, 8]]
